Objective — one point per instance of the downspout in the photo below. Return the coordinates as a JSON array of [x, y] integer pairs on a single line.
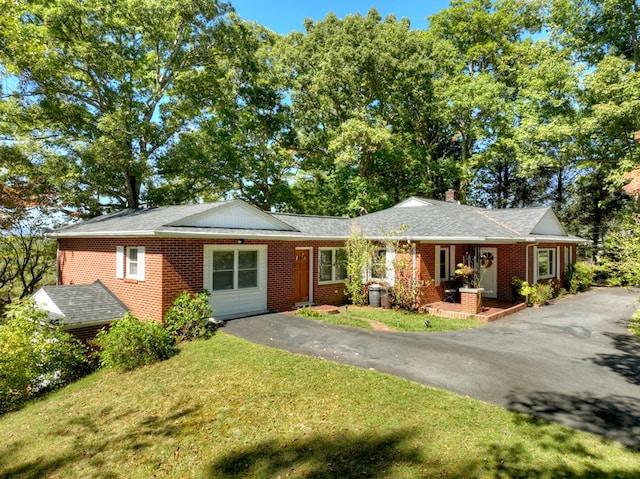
[[415, 263], [57, 262], [527, 262], [527, 265]]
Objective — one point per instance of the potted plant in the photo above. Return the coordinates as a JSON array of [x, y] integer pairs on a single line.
[[467, 274]]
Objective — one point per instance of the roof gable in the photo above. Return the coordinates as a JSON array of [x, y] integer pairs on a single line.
[[549, 224], [412, 202], [235, 214], [528, 221]]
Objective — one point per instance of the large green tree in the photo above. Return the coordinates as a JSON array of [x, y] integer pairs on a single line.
[[242, 144], [102, 88], [361, 96], [479, 48], [602, 36]]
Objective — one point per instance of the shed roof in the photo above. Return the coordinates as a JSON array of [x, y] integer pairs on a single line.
[[80, 304]]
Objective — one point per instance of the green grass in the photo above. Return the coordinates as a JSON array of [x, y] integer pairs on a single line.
[[634, 325], [397, 320], [225, 408]]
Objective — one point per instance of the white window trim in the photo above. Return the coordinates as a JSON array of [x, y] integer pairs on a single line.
[[333, 279], [139, 276], [387, 266], [208, 280], [119, 262], [567, 258], [552, 271], [447, 251], [122, 263]]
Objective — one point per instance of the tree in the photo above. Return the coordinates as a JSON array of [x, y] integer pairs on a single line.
[[104, 88], [478, 50], [242, 146], [593, 29], [604, 37], [622, 250], [26, 257], [361, 98]]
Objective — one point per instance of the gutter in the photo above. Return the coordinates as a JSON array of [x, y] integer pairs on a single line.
[[283, 236]]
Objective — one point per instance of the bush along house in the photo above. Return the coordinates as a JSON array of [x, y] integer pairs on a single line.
[[252, 261]]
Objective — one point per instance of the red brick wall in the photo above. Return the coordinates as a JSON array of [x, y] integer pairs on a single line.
[[87, 333], [83, 261], [426, 262], [173, 265], [327, 293]]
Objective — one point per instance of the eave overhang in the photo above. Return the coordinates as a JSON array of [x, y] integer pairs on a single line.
[[267, 235]]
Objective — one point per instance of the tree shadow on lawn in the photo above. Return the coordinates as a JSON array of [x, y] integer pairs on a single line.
[[345, 457], [626, 364], [613, 417], [90, 439], [391, 455]]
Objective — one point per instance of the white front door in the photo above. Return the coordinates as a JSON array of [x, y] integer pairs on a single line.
[[489, 272]]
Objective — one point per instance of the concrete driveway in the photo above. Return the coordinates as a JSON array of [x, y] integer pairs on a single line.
[[572, 362]]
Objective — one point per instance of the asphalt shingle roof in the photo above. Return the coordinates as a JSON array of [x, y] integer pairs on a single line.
[[84, 304], [425, 220], [137, 220]]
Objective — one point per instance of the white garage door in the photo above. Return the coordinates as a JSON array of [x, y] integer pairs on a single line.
[[236, 277]]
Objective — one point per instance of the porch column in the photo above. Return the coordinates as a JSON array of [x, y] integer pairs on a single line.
[[471, 300]]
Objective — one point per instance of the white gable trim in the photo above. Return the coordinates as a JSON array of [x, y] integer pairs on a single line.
[[42, 299], [235, 214], [413, 201], [549, 224]]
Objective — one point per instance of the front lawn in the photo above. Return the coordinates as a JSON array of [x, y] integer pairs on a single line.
[[225, 408], [634, 324], [395, 319]]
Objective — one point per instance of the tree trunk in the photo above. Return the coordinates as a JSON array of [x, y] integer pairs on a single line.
[[133, 190]]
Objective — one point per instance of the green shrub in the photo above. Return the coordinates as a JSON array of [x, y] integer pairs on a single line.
[[542, 292], [516, 287], [579, 277], [35, 357], [358, 251], [188, 318], [538, 293], [131, 343]]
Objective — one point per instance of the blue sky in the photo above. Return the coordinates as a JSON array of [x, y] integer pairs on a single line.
[[283, 16]]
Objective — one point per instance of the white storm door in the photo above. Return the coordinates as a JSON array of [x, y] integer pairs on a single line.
[[490, 273]]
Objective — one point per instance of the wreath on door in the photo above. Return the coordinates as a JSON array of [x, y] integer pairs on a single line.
[[486, 260]]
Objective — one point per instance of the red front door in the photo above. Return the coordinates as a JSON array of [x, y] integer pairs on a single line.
[[301, 288]]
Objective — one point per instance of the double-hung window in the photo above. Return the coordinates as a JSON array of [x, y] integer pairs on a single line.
[[546, 263], [333, 265], [234, 269], [443, 265], [130, 262], [379, 264]]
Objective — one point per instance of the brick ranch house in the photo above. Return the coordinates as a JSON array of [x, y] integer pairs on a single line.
[[252, 261]]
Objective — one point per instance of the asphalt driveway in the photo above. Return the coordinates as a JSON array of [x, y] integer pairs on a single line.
[[572, 362]]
